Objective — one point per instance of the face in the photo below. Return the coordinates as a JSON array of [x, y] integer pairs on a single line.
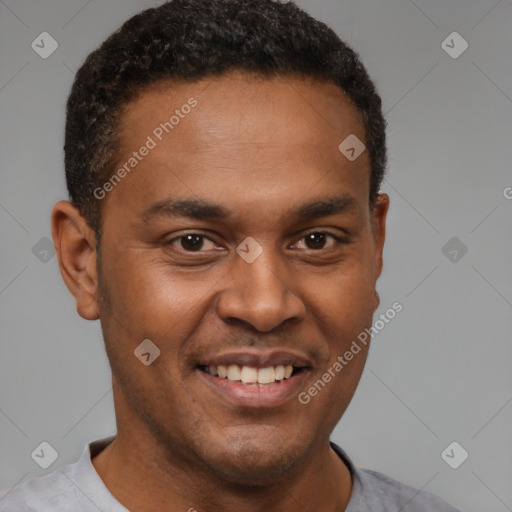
[[243, 242]]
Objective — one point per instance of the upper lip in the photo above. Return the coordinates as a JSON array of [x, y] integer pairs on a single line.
[[257, 359]]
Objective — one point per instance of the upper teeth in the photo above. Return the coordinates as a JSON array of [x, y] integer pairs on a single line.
[[250, 374]]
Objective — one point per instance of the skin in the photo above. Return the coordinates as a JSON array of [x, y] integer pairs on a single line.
[[260, 148]]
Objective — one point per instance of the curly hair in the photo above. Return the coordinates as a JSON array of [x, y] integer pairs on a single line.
[[187, 40]]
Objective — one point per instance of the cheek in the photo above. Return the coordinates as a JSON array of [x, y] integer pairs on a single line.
[[147, 300], [343, 303], [344, 309]]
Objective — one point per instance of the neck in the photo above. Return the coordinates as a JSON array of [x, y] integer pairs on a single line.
[[145, 478]]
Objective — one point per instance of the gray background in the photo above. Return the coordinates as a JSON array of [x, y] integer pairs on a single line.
[[439, 372]]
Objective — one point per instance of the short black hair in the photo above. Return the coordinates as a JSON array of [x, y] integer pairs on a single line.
[[187, 40]]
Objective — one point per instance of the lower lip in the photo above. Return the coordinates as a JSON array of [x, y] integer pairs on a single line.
[[263, 395]]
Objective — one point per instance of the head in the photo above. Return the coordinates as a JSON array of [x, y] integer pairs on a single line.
[[213, 213]]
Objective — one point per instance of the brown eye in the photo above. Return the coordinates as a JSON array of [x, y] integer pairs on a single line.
[[315, 240], [318, 239], [192, 242]]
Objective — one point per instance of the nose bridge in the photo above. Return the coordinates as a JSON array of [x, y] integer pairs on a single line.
[[258, 292]]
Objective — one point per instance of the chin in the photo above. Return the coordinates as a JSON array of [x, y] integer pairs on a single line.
[[253, 461]]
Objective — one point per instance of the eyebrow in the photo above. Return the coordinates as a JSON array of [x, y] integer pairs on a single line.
[[203, 210]]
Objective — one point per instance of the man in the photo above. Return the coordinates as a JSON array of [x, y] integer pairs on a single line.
[[224, 162]]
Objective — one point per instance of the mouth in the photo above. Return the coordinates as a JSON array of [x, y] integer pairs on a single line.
[[254, 380]]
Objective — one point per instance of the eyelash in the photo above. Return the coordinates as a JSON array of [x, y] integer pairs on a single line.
[[338, 239]]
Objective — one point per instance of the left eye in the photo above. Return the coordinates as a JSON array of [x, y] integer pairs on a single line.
[[318, 238]]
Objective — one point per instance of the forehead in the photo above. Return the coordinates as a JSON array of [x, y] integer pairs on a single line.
[[240, 107], [244, 133]]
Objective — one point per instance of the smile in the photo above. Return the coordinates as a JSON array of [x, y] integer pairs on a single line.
[[253, 379]]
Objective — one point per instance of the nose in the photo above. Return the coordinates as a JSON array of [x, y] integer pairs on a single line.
[[260, 294]]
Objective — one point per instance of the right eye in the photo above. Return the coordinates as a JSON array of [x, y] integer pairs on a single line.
[[190, 242]]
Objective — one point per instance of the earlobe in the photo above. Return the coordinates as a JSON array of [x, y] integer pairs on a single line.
[[376, 301], [75, 244]]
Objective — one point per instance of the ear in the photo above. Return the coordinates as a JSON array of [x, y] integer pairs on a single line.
[[379, 213], [75, 244]]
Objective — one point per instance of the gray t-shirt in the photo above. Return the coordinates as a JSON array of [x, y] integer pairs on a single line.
[[78, 488]]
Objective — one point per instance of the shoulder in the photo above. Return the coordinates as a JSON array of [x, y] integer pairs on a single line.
[[384, 493], [372, 490], [74, 486], [51, 492]]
